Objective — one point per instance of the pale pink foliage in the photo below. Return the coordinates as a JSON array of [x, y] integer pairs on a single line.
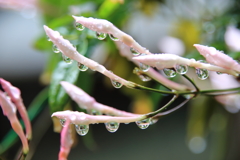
[[217, 58], [9, 110], [232, 38], [66, 141], [15, 95]]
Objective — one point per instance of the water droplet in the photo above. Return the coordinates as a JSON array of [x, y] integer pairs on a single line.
[[181, 69], [116, 84], [94, 112], [62, 122], [143, 124], [82, 67], [79, 26], [112, 126], [144, 67], [134, 52], [82, 129], [219, 73], [169, 72], [144, 78], [48, 39], [113, 38], [55, 49], [101, 36], [202, 73], [67, 59], [153, 121]]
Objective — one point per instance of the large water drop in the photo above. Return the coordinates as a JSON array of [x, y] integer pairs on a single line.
[[202, 73], [143, 124], [82, 67], [55, 49], [144, 67], [116, 84], [113, 38], [181, 69], [79, 26], [134, 52], [169, 72], [82, 129], [67, 59], [112, 126], [101, 36], [62, 122]]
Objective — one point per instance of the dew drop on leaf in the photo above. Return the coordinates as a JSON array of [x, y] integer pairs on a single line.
[[181, 69], [112, 126], [101, 36], [55, 49], [143, 124], [134, 52], [62, 122], [113, 38], [144, 67], [67, 59], [82, 129], [79, 26], [202, 73], [82, 67], [116, 84], [169, 72]]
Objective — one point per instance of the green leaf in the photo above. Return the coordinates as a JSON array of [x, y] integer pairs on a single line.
[[107, 8], [57, 95]]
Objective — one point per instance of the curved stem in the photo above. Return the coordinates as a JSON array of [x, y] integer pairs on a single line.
[[191, 81], [162, 108]]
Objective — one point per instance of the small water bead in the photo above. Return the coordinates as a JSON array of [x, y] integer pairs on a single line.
[[113, 38], [82, 67], [101, 36], [219, 73], [67, 59], [181, 69], [112, 126], [48, 39], [116, 84], [62, 122], [144, 67], [79, 26], [202, 73], [169, 72], [82, 129], [144, 78], [134, 52], [143, 124], [55, 49]]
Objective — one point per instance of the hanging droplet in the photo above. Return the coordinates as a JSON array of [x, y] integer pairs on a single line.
[[55, 49], [113, 38], [219, 73], [82, 67], [153, 121], [62, 122], [94, 112], [169, 72], [202, 73], [134, 52], [112, 126], [143, 124], [79, 26], [101, 36], [144, 78], [116, 84], [144, 67], [82, 129], [67, 59], [49, 39], [181, 69]]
